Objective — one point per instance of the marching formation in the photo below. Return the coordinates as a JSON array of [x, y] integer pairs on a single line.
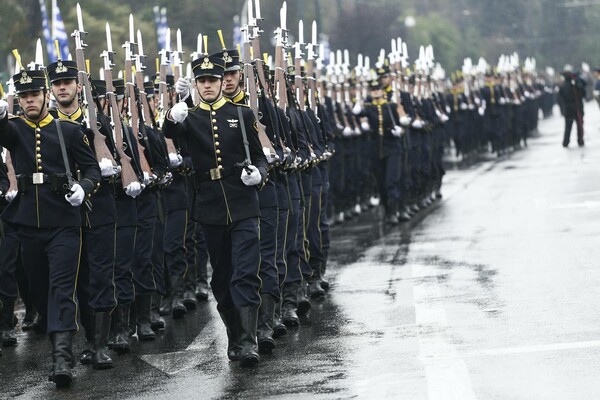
[[120, 190]]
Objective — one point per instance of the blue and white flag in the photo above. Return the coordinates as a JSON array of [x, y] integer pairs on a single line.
[[59, 33], [46, 29], [160, 18]]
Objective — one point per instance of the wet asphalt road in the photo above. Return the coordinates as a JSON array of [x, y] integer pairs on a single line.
[[493, 294]]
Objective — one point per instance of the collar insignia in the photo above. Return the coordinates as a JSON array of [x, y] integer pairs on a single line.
[[233, 123]]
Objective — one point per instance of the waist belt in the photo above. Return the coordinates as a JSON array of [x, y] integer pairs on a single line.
[[214, 174], [58, 183]]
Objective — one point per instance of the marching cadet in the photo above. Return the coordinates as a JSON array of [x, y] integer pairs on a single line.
[[46, 211], [228, 171], [269, 213], [96, 289], [9, 248], [386, 151]]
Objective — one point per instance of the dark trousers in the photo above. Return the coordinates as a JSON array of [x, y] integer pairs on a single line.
[[313, 229], [124, 256], [51, 261], [293, 271], [95, 286], [282, 232], [323, 219], [143, 274], [387, 171], [569, 119], [197, 254], [9, 254], [174, 243], [269, 218], [234, 252]]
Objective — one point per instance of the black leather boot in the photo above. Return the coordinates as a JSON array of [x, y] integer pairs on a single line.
[[231, 321], [7, 332], [121, 328], [156, 321], [324, 282], [189, 289], [264, 328], [101, 359], [144, 330], [289, 304], [279, 329], [302, 300], [202, 283], [62, 359], [247, 325], [177, 308], [165, 306], [87, 354], [314, 289], [30, 320]]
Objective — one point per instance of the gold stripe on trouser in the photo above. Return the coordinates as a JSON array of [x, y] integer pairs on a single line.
[[185, 248], [113, 269], [259, 261], [319, 221], [77, 279], [131, 268], [152, 251], [287, 219]]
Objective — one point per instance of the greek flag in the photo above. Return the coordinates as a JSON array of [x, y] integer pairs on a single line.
[[46, 29], [160, 18], [59, 33]]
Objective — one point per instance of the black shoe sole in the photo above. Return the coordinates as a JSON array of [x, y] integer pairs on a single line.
[[249, 361], [62, 380], [179, 312], [303, 307], [190, 304], [103, 366], [157, 326], [291, 322], [9, 342], [266, 345], [279, 331]]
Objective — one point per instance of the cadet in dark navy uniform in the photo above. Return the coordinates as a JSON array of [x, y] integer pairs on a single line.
[[96, 289], [226, 180], [46, 212]]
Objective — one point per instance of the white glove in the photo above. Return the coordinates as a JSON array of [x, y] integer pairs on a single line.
[[179, 112], [448, 110], [347, 132], [502, 100], [463, 106], [481, 111], [596, 93], [356, 109], [252, 178], [76, 196], [418, 124], [175, 160], [471, 106], [287, 152], [365, 126], [10, 195], [182, 88], [271, 158], [477, 100], [397, 131], [148, 178], [357, 131], [405, 120], [107, 168], [3, 108], [134, 189], [444, 118]]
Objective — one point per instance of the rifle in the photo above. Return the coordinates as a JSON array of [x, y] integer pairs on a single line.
[[250, 86], [134, 117], [128, 174], [88, 106], [163, 90]]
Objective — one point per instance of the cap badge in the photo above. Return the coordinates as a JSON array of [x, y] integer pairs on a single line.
[[25, 79], [207, 64], [60, 68]]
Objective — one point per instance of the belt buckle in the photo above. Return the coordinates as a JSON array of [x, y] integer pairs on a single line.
[[38, 178], [215, 174]]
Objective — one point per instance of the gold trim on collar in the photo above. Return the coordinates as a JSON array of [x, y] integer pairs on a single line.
[[73, 117], [47, 119], [239, 97], [213, 106]]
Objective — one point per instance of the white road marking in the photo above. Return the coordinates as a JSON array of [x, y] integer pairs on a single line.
[[447, 377]]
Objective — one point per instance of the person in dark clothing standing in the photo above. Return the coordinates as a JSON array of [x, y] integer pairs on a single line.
[[571, 93]]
